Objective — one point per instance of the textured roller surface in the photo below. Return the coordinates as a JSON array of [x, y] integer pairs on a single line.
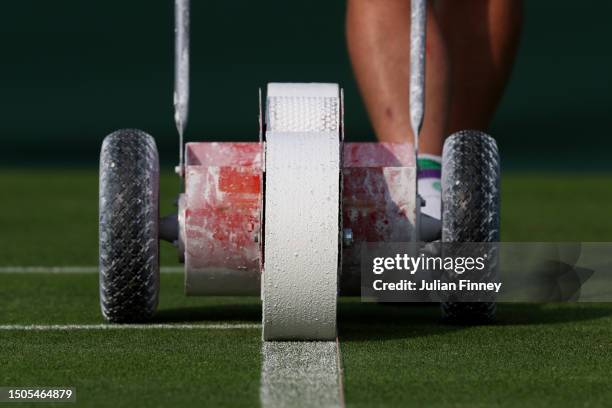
[[301, 221], [470, 205], [303, 108], [129, 223]]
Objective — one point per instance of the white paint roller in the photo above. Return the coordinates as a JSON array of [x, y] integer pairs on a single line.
[[302, 202]]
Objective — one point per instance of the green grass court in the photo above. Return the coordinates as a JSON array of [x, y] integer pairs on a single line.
[[551, 355]]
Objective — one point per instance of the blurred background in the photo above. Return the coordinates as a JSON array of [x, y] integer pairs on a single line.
[[73, 71]]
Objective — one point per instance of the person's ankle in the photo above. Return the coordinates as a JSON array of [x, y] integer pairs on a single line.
[[429, 172]]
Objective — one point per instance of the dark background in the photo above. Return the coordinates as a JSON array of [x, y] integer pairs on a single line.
[[74, 70]]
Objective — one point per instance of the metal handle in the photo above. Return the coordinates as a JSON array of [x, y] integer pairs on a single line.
[[418, 29], [181, 73]]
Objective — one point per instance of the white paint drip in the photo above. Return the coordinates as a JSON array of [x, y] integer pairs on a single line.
[[71, 269], [301, 374], [163, 326]]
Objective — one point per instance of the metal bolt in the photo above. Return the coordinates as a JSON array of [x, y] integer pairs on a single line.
[[179, 170], [347, 237]]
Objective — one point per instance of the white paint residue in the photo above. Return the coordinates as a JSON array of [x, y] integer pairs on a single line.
[[301, 236]]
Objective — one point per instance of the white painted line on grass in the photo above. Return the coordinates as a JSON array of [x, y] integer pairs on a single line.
[[162, 326], [72, 269], [301, 374], [340, 373]]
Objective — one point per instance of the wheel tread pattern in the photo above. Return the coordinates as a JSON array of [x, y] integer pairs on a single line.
[[129, 227], [470, 207]]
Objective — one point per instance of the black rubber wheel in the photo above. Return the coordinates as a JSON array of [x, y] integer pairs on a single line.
[[129, 224], [470, 207]]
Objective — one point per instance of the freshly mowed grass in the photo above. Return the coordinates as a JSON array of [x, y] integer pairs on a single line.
[[393, 355], [556, 207], [127, 368], [535, 355], [50, 217], [138, 368]]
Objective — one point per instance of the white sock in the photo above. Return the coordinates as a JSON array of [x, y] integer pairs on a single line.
[[430, 188]]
